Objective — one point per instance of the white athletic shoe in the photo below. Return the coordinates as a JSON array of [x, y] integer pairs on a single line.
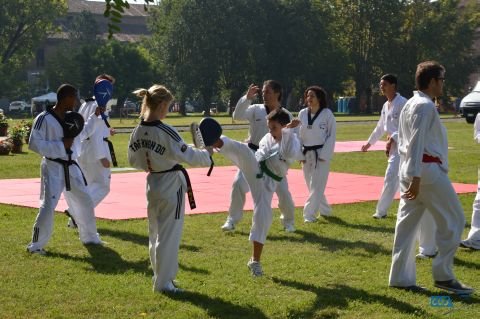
[[424, 256], [290, 229], [378, 216], [255, 267], [310, 219], [468, 244], [228, 226]]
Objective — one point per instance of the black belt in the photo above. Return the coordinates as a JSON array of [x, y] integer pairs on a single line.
[[112, 151], [253, 146], [179, 167], [66, 171], [305, 149]]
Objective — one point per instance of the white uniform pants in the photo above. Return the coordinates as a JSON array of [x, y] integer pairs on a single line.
[[78, 198], [390, 182], [316, 177], [237, 200], [426, 235], [474, 234], [261, 188], [98, 179], [166, 211], [442, 202]]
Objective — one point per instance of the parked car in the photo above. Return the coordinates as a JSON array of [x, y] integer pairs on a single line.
[[18, 106], [470, 105]]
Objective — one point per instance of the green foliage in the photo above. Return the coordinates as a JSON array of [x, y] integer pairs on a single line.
[[24, 25], [18, 133], [80, 63], [114, 10], [3, 120]]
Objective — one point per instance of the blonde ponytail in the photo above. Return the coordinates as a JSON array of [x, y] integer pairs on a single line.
[[153, 97]]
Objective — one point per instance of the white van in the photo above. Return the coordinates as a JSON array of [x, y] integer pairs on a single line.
[[470, 105]]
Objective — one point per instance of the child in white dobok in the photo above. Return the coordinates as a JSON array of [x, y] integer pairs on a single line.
[[263, 170]]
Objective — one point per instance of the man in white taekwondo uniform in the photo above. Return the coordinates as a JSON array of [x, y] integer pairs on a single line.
[[424, 184], [47, 139], [473, 239], [388, 123], [256, 114], [96, 151]]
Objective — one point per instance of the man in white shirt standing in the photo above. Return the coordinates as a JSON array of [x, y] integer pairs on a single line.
[[388, 123], [424, 184]]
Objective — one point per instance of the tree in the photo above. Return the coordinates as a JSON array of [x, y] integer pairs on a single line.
[[114, 10], [438, 31], [366, 29], [24, 25]]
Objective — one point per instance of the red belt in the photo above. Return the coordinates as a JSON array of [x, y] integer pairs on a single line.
[[431, 159]]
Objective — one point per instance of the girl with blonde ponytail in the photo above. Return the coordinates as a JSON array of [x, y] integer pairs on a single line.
[[158, 149]]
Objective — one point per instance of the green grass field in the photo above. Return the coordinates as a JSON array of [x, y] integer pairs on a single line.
[[336, 268]]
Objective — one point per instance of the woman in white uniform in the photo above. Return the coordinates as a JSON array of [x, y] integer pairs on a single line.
[[317, 135], [158, 149]]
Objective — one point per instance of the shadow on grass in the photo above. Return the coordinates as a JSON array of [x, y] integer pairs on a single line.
[[125, 236], [330, 244], [363, 227], [107, 261], [216, 307], [194, 269], [468, 264], [138, 239], [340, 296]]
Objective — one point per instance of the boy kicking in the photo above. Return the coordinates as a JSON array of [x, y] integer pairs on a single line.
[[263, 170]]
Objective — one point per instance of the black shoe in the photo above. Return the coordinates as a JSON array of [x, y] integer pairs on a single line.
[[454, 286], [413, 288]]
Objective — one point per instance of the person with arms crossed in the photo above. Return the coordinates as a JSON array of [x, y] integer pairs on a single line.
[[158, 149], [60, 172], [424, 184], [388, 123], [256, 114]]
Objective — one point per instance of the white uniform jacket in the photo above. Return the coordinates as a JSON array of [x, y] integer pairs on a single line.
[[94, 148], [256, 115], [279, 156], [156, 147], [421, 132], [47, 134], [476, 129], [388, 122], [322, 132]]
